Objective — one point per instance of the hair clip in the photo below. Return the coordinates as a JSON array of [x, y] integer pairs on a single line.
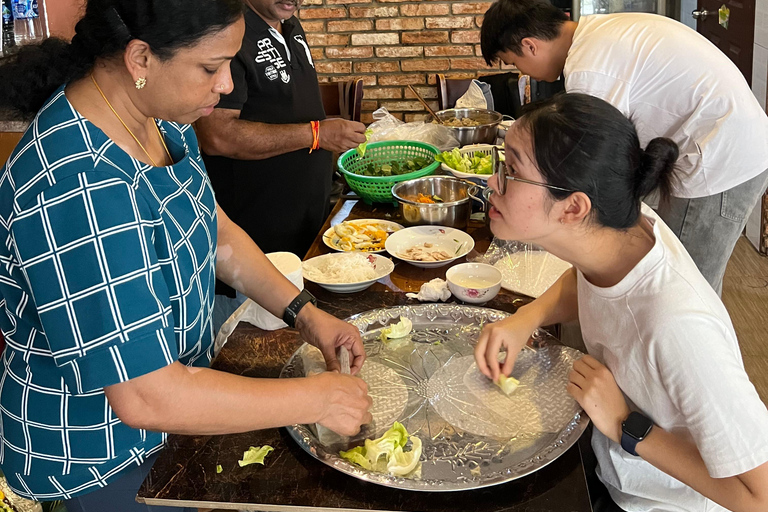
[[119, 24]]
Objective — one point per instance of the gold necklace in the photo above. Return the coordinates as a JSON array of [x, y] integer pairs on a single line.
[[154, 122]]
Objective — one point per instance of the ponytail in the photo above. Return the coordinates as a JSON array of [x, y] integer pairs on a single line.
[[29, 77], [657, 165]]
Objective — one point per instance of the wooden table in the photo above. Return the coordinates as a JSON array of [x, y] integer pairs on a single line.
[[185, 473]]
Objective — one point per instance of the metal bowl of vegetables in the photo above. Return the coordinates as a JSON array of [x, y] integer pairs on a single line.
[[436, 200], [471, 125]]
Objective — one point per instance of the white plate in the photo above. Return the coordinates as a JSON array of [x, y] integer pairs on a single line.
[[382, 265], [451, 240], [482, 148], [467, 175], [330, 238]]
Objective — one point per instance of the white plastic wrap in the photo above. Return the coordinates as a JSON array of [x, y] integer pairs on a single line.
[[290, 266], [526, 269], [478, 95], [387, 127]]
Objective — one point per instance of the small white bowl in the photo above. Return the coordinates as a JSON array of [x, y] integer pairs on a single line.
[[453, 241], [474, 282], [382, 265]]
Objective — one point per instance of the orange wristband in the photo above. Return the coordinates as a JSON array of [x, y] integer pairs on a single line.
[[315, 135]]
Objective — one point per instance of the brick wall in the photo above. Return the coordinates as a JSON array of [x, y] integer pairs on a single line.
[[393, 43]]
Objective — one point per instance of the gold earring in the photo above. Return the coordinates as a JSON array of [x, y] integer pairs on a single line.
[[140, 83]]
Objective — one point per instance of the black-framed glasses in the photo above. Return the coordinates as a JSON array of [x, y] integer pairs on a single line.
[[500, 167]]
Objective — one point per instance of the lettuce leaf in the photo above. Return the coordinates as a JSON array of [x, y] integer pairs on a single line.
[[255, 455], [362, 147], [388, 447]]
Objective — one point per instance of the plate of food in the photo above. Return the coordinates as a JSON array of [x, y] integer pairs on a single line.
[[360, 235], [429, 246], [475, 161], [438, 424], [346, 272]]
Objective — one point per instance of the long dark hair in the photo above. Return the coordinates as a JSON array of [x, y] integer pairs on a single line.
[[30, 76], [508, 22], [584, 143]]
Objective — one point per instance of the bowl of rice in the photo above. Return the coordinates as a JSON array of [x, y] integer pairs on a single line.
[[346, 272]]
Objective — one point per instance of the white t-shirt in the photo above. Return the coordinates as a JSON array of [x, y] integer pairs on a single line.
[[672, 82], [669, 342]]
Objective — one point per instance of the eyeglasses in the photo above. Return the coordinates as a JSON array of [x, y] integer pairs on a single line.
[[501, 168]]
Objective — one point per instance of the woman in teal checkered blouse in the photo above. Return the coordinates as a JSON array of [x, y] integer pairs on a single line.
[[112, 244]]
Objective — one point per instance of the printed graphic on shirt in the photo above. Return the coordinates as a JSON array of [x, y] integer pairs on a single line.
[[268, 53], [300, 39]]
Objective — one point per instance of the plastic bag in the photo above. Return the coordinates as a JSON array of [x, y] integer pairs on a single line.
[[388, 127], [478, 95], [526, 269], [290, 266]]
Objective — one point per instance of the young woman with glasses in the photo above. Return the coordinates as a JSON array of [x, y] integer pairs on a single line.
[[678, 425]]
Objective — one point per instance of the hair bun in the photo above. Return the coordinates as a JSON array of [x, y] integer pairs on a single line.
[[657, 166]]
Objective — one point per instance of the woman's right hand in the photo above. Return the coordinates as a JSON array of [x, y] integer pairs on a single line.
[[511, 334], [342, 400]]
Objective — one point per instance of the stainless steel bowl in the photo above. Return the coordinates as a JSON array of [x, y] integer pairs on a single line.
[[484, 133], [453, 212]]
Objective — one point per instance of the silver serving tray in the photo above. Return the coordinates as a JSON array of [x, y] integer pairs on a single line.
[[473, 435]]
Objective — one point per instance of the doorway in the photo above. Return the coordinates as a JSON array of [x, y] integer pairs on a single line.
[[736, 41]]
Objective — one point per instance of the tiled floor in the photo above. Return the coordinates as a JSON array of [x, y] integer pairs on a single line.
[[745, 294]]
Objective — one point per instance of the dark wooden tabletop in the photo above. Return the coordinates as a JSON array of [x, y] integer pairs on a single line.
[[185, 473]]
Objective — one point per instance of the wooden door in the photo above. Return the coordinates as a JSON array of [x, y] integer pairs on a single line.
[[8, 142], [738, 39]]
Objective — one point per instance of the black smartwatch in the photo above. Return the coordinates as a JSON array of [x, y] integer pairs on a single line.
[[633, 430], [292, 311]]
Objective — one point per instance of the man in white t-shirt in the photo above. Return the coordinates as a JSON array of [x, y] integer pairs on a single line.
[[671, 82]]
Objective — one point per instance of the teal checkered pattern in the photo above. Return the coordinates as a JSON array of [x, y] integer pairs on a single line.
[[107, 273]]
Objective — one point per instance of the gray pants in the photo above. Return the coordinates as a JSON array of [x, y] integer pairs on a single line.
[[710, 226]]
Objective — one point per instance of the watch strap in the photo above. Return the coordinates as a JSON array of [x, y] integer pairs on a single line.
[[292, 311], [629, 443]]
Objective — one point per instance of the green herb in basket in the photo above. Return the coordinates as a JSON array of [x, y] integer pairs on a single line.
[[394, 168]]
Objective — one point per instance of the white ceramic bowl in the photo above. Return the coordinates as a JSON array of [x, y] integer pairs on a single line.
[[455, 242], [382, 265], [474, 282]]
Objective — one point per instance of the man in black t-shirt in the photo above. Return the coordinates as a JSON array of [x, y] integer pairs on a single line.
[[256, 143]]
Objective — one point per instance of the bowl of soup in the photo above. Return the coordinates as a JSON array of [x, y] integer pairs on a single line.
[[474, 282]]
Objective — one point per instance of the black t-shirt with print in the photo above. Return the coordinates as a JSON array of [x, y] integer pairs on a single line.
[[281, 202]]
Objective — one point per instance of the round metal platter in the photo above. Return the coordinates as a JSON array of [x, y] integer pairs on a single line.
[[472, 434]]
